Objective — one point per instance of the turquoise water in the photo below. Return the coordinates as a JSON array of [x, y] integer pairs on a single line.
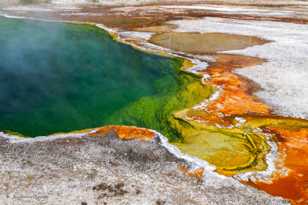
[[57, 77]]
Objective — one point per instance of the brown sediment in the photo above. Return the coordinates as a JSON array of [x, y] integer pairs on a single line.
[[251, 17], [204, 43], [229, 62], [119, 21], [158, 15], [126, 132], [150, 15], [157, 29], [197, 173], [270, 4]]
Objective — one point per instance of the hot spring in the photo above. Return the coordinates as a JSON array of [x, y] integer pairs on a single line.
[[60, 77]]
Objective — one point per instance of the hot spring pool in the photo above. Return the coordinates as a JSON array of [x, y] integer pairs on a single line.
[[59, 77]]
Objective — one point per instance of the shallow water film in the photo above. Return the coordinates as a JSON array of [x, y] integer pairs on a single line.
[[57, 77]]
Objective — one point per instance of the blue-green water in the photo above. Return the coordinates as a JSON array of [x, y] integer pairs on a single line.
[[57, 77]]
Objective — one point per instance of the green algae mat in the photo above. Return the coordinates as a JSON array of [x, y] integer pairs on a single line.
[[59, 77]]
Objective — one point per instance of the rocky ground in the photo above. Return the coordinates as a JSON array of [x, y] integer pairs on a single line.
[[106, 170]]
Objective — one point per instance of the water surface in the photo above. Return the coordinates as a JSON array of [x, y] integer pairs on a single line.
[[57, 77]]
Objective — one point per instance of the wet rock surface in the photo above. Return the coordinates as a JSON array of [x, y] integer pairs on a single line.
[[107, 170]]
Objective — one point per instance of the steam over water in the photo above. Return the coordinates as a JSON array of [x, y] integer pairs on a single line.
[[57, 77]]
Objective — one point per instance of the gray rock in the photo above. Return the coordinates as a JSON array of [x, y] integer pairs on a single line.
[[106, 170]]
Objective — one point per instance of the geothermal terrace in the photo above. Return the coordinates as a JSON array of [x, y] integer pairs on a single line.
[[154, 102]]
